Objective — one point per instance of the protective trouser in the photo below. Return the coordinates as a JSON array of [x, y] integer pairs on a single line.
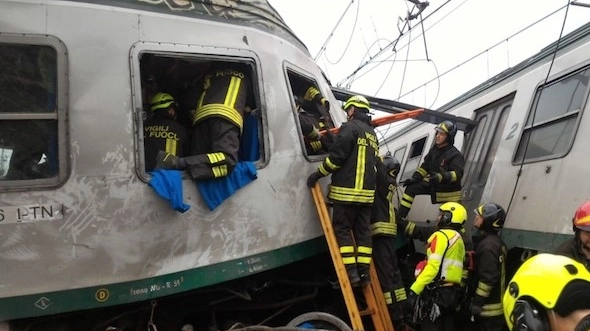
[[408, 197], [424, 188], [355, 218], [215, 143], [390, 278]]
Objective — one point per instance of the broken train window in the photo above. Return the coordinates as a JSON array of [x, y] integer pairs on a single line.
[[181, 80], [312, 113]]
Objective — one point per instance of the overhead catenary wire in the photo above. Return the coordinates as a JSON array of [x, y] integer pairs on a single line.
[[482, 52], [393, 44], [351, 78], [349, 38], [401, 85], [323, 48]]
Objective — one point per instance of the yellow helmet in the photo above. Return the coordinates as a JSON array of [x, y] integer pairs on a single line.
[[358, 101], [545, 281], [452, 213], [161, 101]]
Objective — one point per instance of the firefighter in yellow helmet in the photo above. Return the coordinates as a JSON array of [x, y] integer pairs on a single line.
[[548, 293], [315, 103], [311, 125], [162, 132], [314, 116], [436, 292], [351, 162]]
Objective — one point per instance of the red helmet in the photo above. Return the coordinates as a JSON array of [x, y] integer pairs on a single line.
[[582, 217]]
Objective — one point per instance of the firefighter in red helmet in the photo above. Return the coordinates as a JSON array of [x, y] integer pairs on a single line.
[[578, 247]]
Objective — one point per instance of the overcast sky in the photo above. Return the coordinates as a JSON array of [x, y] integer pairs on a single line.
[[455, 32]]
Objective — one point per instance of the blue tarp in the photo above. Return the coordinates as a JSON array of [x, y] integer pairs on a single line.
[[168, 185]]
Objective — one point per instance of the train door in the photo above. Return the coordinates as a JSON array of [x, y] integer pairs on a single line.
[[481, 150]]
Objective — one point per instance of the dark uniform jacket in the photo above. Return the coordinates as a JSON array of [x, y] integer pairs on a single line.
[[383, 213], [311, 125], [164, 134], [488, 282], [351, 162], [225, 95], [571, 248], [449, 162]]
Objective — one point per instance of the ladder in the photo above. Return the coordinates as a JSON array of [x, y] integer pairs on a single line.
[[376, 306]]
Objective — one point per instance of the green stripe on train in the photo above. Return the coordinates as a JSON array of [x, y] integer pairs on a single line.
[[140, 290], [539, 241]]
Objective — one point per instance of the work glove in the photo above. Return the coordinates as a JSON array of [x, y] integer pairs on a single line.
[[433, 177], [313, 178], [409, 181], [475, 310], [412, 299]]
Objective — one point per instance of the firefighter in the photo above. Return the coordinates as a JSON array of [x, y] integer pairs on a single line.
[[311, 124], [435, 293], [440, 174], [384, 231], [162, 131], [217, 125], [489, 276], [314, 102], [578, 247], [351, 162], [548, 293], [423, 232]]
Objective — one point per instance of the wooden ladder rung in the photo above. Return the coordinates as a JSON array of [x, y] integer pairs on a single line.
[[376, 307], [367, 312]]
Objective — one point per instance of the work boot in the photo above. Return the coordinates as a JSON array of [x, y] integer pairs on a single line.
[[365, 279], [355, 280], [400, 325], [168, 161]]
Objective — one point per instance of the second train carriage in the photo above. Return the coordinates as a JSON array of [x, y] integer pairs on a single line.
[[529, 150]]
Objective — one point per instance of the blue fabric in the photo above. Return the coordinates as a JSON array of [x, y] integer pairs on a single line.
[[168, 185], [215, 191], [249, 144]]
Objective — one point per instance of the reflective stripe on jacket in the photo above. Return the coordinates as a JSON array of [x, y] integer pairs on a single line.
[[445, 253], [352, 162], [383, 221]]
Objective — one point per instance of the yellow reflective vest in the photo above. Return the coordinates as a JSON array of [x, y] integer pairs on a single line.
[[445, 254]]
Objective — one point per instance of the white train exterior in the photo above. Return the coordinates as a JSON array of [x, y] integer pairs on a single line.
[[81, 228], [516, 116]]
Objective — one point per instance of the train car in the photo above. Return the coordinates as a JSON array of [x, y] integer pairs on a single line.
[[528, 150], [82, 228]]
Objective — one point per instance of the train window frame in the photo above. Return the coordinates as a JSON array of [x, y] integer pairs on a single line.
[[423, 140], [474, 148], [493, 147], [403, 148], [570, 117], [292, 72], [57, 139], [190, 53]]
